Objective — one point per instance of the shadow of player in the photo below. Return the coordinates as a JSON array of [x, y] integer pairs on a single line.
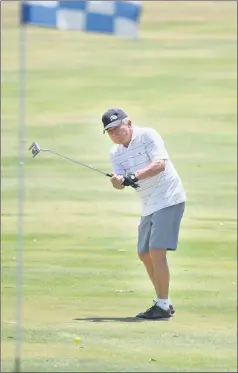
[[113, 319]]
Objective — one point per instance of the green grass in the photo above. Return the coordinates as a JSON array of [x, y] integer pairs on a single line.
[[80, 235]]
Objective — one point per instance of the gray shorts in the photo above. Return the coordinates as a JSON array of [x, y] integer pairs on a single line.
[[160, 230]]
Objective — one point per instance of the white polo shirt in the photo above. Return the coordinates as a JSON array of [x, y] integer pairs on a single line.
[[156, 192]]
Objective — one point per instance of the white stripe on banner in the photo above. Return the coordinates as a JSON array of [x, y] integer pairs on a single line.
[[136, 2], [68, 19], [126, 27], [101, 7], [47, 4]]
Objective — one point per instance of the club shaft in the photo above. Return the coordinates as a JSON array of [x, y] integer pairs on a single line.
[[73, 160]]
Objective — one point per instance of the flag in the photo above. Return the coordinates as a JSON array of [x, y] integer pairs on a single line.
[[121, 18]]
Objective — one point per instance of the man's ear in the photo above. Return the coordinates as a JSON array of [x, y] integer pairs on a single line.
[[129, 123]]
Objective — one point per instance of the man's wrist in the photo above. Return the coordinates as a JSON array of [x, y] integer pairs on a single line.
[[137, 175], [130, 179]]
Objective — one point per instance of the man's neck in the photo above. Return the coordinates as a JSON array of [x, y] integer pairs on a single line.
[[126, 144]]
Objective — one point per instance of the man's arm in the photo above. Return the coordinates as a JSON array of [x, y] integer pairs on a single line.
[[154, 168], [157, 153], [118, 172]]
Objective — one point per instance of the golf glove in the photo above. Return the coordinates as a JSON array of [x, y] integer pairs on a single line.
[[130, 180]]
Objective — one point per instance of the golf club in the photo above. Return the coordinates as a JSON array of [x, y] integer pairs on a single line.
[[36, 149]]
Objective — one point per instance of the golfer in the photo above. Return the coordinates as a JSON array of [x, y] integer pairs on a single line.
[[140, 160]]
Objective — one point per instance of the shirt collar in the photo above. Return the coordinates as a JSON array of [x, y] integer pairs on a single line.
[[134, 133]]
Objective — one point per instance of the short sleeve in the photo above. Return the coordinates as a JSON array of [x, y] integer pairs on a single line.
[[155, 146]]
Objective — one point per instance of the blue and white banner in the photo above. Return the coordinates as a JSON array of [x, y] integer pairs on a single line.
[[120, 18]]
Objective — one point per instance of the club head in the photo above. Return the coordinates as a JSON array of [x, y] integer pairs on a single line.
[[35, 149]]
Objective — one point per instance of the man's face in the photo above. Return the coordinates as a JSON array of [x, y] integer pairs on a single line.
[[120, 134]]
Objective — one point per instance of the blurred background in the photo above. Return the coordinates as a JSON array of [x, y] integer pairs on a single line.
[[179, 77]]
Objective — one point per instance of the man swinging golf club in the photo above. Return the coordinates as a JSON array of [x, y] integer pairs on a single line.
[[140, 160]]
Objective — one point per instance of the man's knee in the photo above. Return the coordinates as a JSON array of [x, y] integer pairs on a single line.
[[143, 256], [158, 255]]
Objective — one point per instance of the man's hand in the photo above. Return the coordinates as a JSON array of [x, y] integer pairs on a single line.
[[130, 180], [117, 181]]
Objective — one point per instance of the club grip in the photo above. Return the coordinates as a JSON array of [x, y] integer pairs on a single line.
[[109, 175]]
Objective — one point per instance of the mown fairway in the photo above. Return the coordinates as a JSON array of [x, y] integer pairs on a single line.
[[80, 234]]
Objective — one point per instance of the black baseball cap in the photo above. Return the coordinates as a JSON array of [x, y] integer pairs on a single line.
[[113, 118]]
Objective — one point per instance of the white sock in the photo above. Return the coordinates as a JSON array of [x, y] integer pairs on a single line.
[[163, 303], [170, 303]]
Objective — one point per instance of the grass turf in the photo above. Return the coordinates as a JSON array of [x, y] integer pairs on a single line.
[[81, 273]]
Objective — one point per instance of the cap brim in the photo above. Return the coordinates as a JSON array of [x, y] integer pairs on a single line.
[[113, 124]]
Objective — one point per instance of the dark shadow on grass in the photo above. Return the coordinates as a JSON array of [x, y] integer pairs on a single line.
[[113, 319]]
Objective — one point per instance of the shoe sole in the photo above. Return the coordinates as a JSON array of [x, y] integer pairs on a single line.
[[154, 318]]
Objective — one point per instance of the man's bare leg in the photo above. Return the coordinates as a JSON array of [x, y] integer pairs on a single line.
[[146, 259], [161, 276], [156, 265]]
